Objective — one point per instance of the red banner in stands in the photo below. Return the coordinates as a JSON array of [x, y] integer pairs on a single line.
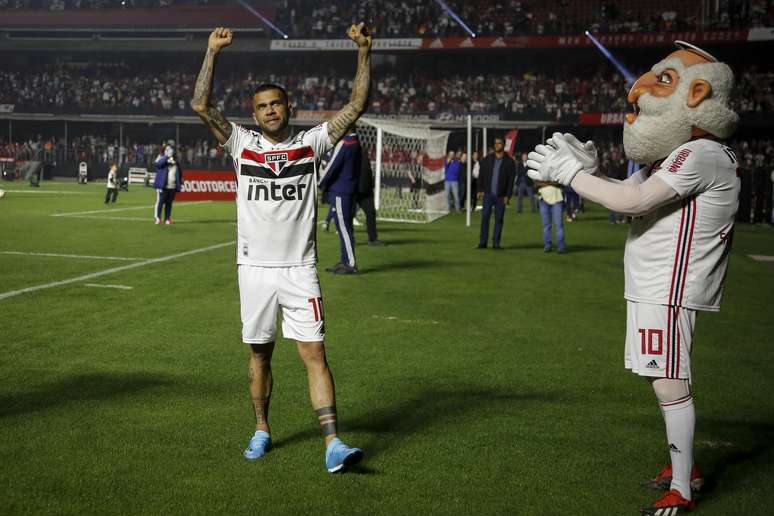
[[206, 185], [601, 118], [609, 40]]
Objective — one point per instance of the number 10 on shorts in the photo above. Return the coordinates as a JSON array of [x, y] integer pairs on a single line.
[[654, 338], [317, 306]]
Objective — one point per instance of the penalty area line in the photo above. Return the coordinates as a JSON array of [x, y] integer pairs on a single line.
[[85, 277]]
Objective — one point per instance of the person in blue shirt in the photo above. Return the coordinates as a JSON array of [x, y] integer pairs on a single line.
[[451, 177]]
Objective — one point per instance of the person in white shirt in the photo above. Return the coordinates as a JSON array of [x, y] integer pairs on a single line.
[[683, 203], [112, 184], [276, 235]]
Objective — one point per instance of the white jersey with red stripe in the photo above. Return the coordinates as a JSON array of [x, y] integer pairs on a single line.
[[677, 255], [277, 196]]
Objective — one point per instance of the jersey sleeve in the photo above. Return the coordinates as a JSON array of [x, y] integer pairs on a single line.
[[237, 141], [317, 138], [690, 169]]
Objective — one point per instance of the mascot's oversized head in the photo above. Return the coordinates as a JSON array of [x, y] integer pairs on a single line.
[[685, 96]]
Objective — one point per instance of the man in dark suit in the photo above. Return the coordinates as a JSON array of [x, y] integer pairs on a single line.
[[495, 187]]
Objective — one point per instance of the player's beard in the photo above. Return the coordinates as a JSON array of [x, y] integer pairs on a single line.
[[662, 125], [279, 134], [280, 131]]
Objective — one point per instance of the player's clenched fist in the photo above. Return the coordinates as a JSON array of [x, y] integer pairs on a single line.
[[220, 37], [360, 34]]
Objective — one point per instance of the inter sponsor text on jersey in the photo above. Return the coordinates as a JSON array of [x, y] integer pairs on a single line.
[[277, 196], [677, 255]]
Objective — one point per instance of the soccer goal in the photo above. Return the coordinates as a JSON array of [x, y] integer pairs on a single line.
[[407, 160]]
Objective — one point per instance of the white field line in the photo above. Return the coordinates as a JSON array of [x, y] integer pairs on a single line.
[[13, 293], [407, 321], [761, 257], [113, 210], [57, 255], [121, 287], [8, 190], [96, 217]]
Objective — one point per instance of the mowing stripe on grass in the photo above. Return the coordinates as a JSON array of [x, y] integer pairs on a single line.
[[13, 293], [57, 255]]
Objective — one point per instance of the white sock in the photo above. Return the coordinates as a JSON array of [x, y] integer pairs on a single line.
[[680, 419]]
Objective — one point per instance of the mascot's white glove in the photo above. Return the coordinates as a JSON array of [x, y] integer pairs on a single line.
[[585, 152], [556, 162]]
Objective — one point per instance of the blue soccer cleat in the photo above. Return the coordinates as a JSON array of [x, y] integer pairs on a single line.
[[259, 445], [339, 456]]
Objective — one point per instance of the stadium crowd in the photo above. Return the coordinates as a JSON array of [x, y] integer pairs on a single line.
[[118, 88], [516, 17], [417, 18]]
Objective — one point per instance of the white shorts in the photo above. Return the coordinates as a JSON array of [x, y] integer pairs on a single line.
[[658, 340], [263, 290]]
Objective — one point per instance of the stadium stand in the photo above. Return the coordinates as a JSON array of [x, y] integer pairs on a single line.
[[542, 93]]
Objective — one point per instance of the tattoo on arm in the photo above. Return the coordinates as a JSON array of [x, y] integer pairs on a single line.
[[217, 123], [356, 106], [202, 103]]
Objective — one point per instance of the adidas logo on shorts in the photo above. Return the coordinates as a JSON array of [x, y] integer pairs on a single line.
[[652, 365]]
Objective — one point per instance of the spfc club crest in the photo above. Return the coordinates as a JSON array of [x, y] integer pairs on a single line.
[[276, 160]]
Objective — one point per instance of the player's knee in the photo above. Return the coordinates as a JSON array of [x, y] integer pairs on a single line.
[[261, 353], [312, 353], [669, 389]]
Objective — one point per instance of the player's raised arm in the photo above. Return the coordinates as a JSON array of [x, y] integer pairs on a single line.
[[337, 126], [202, 103]]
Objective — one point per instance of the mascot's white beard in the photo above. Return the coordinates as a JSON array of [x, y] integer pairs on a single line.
[[665, 123], [661, 126]]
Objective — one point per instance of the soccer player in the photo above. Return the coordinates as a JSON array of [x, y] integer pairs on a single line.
[[276, 235], [683, 203]]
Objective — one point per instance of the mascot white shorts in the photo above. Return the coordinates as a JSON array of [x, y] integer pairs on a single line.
[[658, 340]]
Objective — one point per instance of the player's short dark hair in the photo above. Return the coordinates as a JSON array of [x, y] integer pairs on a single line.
[[266, 86]]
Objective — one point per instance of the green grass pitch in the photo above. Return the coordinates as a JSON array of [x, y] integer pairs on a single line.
[[475, 381]]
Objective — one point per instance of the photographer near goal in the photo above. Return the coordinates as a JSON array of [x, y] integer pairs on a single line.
[[276, 235]]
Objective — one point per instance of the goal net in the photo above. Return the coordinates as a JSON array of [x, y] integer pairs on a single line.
[[407, 160]]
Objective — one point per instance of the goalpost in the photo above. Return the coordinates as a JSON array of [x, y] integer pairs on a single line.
[[407, 160]]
